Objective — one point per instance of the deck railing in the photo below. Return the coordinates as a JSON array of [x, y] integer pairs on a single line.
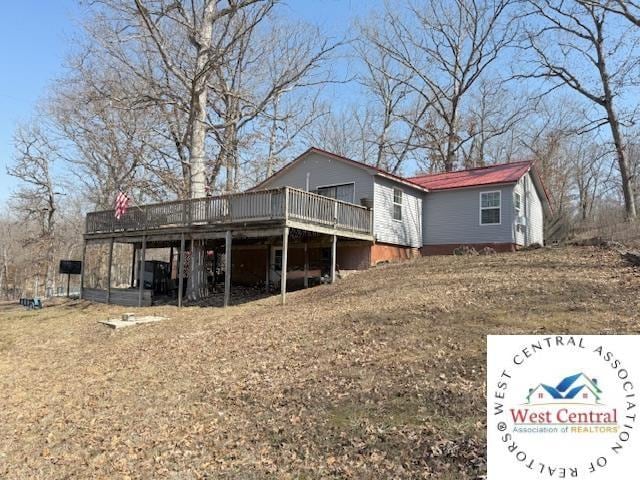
[[261, 205]]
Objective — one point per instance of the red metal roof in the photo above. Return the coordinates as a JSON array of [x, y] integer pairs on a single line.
[[491, 175]]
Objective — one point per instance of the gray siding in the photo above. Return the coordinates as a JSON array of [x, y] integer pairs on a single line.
[[323, 171], [453, 217], [387, 230]]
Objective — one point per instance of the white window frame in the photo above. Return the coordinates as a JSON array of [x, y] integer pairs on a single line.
[[517, 206], [395, 204], [353, 199], [481, 208]]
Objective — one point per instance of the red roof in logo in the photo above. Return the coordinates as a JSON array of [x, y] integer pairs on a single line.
[[493, 174]]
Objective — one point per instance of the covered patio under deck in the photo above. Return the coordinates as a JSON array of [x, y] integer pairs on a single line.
[[258, 221]]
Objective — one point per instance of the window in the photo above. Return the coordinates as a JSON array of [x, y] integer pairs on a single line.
[[516, 203], [541, 395], [489, 208], [344, 192], [397, 204]]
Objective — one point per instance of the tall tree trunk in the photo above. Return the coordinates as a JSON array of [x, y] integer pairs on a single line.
[[623, 165], [452, 134], [614, 124], [197, 181], [199, 97]]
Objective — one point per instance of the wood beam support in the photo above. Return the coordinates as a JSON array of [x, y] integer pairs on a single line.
[[181, 271], [334, 243], [133, 265], [82, 267], [143, 251], [306, 265], [109, 265], [170, 262], [227, 268], [267, 272], [283, 271]]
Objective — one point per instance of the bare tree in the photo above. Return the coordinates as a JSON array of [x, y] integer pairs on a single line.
[[630, 9], [393, 119], [591, 169], [264, 68], [182, 43], [494, 112], [572, 48], [278, 129], [37, 197], [341, 132], [448, 47], [107, 145]]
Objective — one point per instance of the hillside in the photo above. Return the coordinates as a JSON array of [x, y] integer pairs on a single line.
[[378, 376]]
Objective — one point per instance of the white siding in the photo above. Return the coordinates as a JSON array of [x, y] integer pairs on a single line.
[[387, 230], [519, 234], [324, 171], [533, 211], [453, 217], [535, 214]]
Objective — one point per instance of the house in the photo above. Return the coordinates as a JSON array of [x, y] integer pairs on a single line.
[[321, 213], [580, 388], [583, 394], [543, 394], [577, 388], [501, 206]]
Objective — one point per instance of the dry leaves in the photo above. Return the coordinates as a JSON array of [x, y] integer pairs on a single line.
[[379, 376]]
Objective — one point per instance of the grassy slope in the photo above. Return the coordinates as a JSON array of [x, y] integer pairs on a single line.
[[378, 376]]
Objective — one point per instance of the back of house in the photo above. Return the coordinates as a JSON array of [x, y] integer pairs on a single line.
[[500, 206]]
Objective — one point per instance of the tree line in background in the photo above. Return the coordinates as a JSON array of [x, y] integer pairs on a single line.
[[167, 99]]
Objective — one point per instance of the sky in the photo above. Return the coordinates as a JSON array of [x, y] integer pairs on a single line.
[[34, 39], [37, 35]]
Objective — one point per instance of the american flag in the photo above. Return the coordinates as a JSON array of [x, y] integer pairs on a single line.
[[122, 203]]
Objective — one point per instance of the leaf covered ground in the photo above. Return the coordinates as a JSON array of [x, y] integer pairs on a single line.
[[378, 376]]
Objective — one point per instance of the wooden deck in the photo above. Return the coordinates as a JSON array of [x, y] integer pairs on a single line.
[[281, 207]]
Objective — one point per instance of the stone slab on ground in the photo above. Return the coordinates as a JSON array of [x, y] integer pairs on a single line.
[[129, 320]]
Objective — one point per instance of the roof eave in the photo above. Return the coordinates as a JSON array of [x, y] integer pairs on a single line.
[[370, 169], [408, 183], [482, 185]]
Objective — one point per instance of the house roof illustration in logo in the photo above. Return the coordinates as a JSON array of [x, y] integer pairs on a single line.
[[578, 388]]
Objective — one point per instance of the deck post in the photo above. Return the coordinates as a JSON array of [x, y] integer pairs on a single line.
[[109, 270], [306, 265], [267, 278], [283, 271], [181, 270], [215, 266], [82, 268], [170, 262], [334, 242], [227, 267], [141, 270], [133, 266]]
